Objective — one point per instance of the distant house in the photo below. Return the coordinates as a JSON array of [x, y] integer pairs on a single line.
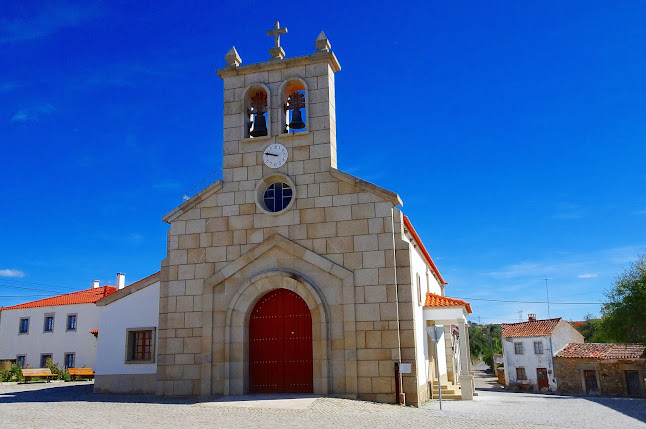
[[59, 328], [127, 347], [601, 369], [528, 348]]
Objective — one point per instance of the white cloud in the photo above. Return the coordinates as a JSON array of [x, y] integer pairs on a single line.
[[11, 273], [33, 114], [49, 21], [588, 276]]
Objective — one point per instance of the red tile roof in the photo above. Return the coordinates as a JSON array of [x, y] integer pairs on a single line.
[[603, 351], [533, 328], [434, 300], [577, 324], [94, 331], [423, 249], [88, 296]]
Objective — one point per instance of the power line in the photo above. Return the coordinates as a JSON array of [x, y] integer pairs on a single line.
[[531, 302], [37, 284], [19, 296], [30, 288]]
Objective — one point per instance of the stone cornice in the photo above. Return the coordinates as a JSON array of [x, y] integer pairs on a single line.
[[320, 57], [193, 201], [367, 186]]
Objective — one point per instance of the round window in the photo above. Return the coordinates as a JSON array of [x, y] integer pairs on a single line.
[[275, 193], [277, 197]]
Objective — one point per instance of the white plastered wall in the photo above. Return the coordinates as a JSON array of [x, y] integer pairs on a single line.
[[429, 283], [137, 310], [60, 341]]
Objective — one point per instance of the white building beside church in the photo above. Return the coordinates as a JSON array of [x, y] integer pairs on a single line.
[[60, 327], [127, 338]]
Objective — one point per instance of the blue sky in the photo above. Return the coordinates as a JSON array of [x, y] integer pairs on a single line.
[[513, 131]]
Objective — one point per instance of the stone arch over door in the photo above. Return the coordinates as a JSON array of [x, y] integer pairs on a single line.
[[231, 293], [236, 346]]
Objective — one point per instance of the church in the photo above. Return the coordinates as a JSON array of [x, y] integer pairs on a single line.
[[290, 275]]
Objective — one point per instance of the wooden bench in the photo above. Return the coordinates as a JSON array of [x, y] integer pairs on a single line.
[[81, 372], [30, 373]]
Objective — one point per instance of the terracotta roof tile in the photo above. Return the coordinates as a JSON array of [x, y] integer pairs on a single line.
[[603, 351], [532, 328], [88, 296], [434, 300], [94, 331]]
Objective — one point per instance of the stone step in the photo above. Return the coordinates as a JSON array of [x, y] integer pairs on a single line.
[[452, 397]]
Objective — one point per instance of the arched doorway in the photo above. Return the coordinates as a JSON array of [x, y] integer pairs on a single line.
[[280, 344]]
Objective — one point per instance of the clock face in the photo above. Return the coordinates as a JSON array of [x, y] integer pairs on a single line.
[[275, 155]]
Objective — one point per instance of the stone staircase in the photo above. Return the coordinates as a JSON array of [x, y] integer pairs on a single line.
[[449, 391]]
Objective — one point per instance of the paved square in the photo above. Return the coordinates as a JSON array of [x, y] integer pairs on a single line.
[[74, 405]]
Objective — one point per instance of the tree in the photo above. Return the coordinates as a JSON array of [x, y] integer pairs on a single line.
[[484, 341], [591, 330], [624, 315]]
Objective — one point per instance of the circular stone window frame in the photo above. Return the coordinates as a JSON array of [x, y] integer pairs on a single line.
[[269, 180]]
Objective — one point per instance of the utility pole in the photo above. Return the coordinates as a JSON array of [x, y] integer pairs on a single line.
[[520, 315], [548, 298]]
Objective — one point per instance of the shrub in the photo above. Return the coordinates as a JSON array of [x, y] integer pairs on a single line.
[[61, 374]]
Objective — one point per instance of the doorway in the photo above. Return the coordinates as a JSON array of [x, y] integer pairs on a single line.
[[591, 385], [280, 344], [633, 384], [543, 381]]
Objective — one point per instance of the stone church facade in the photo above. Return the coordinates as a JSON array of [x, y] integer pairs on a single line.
[[284, 218]]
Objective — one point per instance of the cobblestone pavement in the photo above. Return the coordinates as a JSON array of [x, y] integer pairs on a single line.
[[74, 405]]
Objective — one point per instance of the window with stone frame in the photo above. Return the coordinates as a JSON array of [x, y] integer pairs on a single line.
[[71, 322], [140, 347], [48, 325], [538, 347], [520, 374], [70, 360], [519, 349], [43, 359], [23, 327]]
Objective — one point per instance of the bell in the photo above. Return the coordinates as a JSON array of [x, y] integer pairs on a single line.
[[297, 120], [259, 126]]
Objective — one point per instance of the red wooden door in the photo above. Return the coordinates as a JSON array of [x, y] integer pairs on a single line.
[[280, 344], [543, 381]]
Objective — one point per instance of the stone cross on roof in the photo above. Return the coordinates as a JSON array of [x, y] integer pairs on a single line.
[[277, 52]]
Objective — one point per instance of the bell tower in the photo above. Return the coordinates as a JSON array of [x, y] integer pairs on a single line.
[[281, 105]]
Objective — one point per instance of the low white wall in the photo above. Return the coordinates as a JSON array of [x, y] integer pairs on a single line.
[[137, 310], [60, 341]]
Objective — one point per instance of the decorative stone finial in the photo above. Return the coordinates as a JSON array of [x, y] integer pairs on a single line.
[[322, 43], [277, 53], [232, 58]]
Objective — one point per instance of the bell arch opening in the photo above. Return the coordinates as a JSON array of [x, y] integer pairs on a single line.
[[257, 118], [294, 97]]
